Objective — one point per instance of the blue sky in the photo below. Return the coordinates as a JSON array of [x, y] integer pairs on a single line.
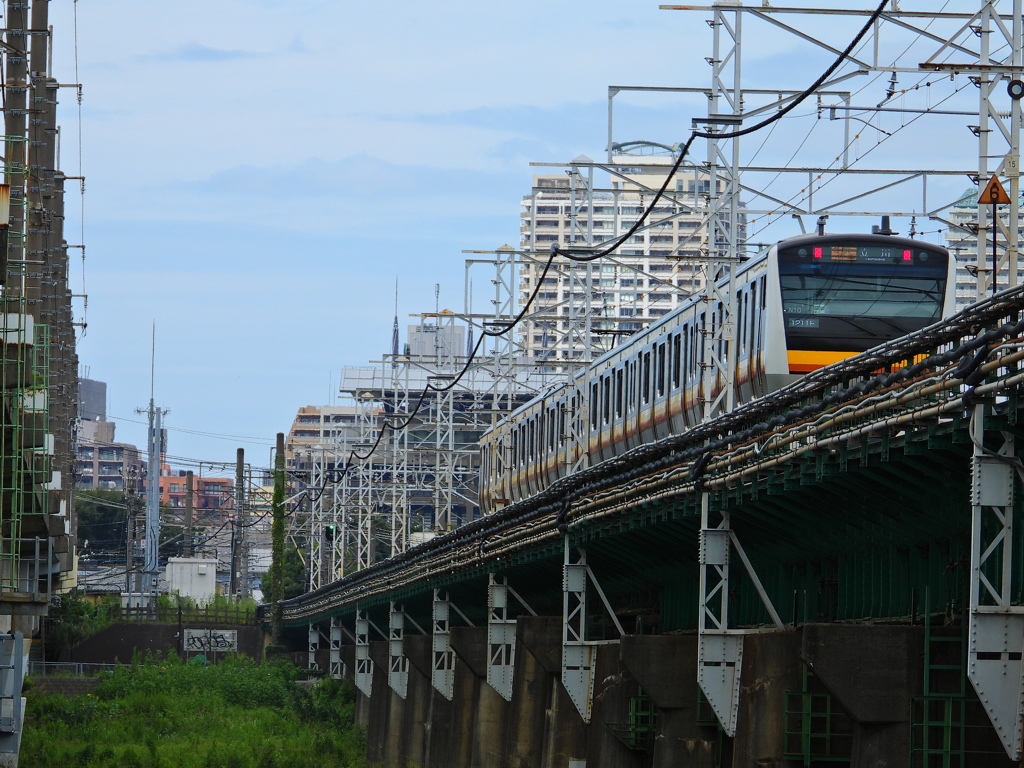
[[259, 173]]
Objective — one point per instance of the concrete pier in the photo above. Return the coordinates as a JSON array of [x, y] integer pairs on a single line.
[[870, 676]]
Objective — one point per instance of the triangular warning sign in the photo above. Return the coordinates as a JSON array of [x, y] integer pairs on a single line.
[[993, 193]]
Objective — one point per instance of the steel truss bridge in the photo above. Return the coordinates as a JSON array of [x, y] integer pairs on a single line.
[[881, 488]]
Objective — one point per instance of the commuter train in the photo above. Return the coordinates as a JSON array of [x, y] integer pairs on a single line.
[[803, 303]]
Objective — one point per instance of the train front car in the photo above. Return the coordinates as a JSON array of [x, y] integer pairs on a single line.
[[844, 294]]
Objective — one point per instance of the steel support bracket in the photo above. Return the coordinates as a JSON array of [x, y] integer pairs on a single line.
[[364, 664], [501, 634], [578, 653], [442, 667], [338, 670], [313, 646], [719, 649], [501, 638], [398, 662], [995, 644]]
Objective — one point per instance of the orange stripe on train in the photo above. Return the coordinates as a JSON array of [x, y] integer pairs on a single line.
[[805, 361]]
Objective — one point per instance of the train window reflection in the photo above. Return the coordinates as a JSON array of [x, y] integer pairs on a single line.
[[845, 294]]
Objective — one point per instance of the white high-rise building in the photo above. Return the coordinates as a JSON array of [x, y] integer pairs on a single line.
[[962, 242], [659, 266]]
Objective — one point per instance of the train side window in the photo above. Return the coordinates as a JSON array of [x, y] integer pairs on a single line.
[[529, 440], [593, 405], [631, 388], [700, 347], [752, 333], [684, 337], [723, 345], [677, 358], [740, 324], [661, 370], [645, 383], [606, 398], [618, 393]]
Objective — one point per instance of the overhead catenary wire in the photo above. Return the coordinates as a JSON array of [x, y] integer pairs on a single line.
[[612, 244]]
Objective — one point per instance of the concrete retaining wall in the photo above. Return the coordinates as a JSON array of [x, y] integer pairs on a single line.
[[119, 642]]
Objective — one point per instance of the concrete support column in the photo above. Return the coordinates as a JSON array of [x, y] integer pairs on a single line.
[[481, 714], [873, 673], [665, 667]]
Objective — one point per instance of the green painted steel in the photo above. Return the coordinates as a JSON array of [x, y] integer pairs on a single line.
[[638, 732], [817, 731]]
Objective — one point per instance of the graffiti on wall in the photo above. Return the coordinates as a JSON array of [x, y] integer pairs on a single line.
[[211, 640]]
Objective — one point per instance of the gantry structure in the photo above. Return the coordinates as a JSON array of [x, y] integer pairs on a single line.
[[39, 366]]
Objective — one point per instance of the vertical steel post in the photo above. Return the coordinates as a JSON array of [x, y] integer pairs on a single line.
[[151, 567], [242, 523], [189, 512], [719, 653]]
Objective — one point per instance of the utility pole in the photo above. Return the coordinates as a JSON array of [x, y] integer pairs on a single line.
[[151, 565], [240, 555], [131, 489], [276, 593]]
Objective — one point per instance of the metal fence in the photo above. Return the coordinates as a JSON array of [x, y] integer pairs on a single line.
[[69, 669]]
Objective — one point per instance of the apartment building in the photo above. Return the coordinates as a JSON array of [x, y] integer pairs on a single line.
[[658, 267], [209, 493], [962, 242]]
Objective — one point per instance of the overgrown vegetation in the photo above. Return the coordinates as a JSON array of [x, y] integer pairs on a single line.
[[72, 619], [292, 575], [227, 604], [102, 519], [167, 713]]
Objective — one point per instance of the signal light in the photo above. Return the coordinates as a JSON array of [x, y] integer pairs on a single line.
[[329, 532]]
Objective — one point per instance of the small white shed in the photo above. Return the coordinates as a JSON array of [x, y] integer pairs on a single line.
[[194, 577]]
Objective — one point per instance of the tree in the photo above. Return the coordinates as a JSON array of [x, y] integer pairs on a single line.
[[292, 575], [102, 520]]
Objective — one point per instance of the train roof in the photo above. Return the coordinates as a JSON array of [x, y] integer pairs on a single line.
[[829, 237]]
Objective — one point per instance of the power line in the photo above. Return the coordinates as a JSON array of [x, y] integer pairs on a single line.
[[614, 243]]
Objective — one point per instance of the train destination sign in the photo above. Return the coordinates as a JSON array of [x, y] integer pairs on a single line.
[[858, 253]]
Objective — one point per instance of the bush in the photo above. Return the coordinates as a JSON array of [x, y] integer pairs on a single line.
[[166, 713]]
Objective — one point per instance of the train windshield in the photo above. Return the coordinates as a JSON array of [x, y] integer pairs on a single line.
[[851, 296], [842, 291]]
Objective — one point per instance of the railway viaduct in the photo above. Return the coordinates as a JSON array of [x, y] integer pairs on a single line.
[[828, 575]]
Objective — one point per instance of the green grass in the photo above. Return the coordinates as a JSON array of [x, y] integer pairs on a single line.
[[167, 714]]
